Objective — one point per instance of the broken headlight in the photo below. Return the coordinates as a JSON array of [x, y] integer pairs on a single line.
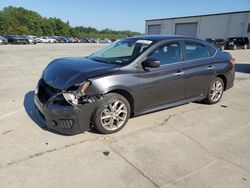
[[73, 97]]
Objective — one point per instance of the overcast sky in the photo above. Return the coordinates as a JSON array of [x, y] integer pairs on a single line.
[[124, 14]]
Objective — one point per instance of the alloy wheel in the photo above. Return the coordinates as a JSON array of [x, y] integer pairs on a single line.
[[216, 91], [114, 115]]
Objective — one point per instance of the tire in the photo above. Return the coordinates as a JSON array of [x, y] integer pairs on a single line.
[[234, 47], [245, 47], [108, 107], [213, 98]]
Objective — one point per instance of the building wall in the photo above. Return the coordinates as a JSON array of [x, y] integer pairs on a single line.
[[246, 26], [215, 26]]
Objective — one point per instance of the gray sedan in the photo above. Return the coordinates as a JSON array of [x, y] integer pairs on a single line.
[[131, 77]]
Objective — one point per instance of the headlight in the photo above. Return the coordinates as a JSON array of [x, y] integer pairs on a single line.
[[73, 97]]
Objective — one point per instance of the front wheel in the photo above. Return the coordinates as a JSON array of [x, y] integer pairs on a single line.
[[112, 114], [215, 91]]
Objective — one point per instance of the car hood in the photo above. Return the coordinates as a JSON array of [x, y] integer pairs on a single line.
[[66, 72]]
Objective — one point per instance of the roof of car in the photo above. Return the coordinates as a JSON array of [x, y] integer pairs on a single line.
[[160, 37]]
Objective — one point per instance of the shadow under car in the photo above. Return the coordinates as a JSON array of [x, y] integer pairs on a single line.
[[243, 68]]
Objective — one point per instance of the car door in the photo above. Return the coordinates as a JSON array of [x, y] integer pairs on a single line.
[[164, 84], [198, 67]]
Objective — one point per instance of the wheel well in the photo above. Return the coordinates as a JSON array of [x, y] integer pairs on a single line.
[[224, 80], [127, 95]]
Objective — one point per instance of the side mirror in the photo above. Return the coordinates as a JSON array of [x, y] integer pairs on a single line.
[[151, 63]]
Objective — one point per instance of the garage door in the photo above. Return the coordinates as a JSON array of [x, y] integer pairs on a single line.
[[186, 29], [154, 29]]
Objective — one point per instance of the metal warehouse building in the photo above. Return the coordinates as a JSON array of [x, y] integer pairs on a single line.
[[223, 25]]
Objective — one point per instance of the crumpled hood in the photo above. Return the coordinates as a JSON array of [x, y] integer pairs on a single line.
[[66, 72]]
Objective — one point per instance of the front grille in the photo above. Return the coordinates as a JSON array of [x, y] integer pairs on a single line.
[[66, 123], [45, 91]]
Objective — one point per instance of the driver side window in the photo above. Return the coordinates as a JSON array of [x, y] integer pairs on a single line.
[[167, 53]]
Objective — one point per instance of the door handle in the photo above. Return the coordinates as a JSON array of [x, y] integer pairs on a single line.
[[179, 73], [210, 67]]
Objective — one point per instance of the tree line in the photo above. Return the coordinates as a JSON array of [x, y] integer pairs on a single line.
[[19, 21]]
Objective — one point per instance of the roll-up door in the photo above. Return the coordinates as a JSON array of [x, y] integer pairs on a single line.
[[186, 29], [154, 29]]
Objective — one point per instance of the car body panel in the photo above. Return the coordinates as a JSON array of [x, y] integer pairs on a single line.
[[160, 85], [198, 75], [66, 72], [55, 117]]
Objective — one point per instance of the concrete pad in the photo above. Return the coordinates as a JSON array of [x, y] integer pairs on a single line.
[[21, 139], [81, 165], [219, 174], [162, 156]]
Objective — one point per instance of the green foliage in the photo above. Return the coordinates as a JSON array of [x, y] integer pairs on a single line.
[[20, 21]]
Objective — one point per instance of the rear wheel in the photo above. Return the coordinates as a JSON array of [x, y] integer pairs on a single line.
[[112, 114], [215, 91]]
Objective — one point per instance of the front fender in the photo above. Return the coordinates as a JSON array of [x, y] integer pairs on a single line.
[[124, 80], [101, 87]]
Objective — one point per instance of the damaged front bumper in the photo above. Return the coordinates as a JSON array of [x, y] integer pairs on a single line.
[[69, 120], [62, 117]]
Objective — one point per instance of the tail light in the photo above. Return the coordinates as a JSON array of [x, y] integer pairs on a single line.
[[232, 61]]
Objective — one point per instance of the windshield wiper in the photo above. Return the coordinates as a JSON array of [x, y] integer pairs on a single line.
[[102, 60]]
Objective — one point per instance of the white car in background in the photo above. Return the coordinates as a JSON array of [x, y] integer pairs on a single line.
[[104, 40], [31, 38], [3, 40], [47, 40]]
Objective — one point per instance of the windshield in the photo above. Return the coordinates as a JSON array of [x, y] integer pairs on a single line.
[[122, 51]]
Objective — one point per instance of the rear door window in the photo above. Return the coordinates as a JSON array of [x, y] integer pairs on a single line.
[[193, 50]]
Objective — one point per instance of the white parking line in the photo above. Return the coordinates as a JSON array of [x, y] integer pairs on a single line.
[[190, 174], [11, 113]]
